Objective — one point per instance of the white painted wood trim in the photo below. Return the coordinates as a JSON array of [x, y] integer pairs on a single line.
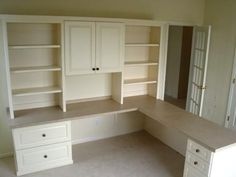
[[229, 123], [7, 65], [162, 61], [205, 70], [62, 62]]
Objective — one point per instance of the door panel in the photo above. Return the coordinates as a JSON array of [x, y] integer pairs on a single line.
[[198, 69], [79, 47], [231, 110], [109, 47]]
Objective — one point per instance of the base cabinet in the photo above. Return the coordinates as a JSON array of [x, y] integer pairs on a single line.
[[42, 158], [202, 162], [42, 147]]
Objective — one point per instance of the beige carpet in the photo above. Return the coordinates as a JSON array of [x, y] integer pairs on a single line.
[[134, 155]]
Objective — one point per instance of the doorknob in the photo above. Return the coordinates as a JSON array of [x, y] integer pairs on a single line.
[[202, 87]]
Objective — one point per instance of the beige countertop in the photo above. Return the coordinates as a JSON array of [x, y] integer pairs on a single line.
[[204, 132]]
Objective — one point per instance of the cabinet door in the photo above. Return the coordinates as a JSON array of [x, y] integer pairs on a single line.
[[79, 47], [109, 47]]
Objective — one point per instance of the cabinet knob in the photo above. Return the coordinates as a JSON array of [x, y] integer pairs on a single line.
[[93, 69], [97, 69], [197, 150], [195, 163], [43, 135], [45, 156]]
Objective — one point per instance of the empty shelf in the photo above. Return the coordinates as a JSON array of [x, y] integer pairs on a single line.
[[34, 69], [33, 46], [142, 45], [139, 81], [141, 63], [36, 91]]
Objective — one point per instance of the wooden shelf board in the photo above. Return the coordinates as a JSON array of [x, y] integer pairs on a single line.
[[33, 46], [141, 63], [139, 81], [142, 45], [34, 69], [36, 91]]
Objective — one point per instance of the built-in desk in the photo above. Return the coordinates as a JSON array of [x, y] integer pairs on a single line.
[[206, 133], [215, 141]]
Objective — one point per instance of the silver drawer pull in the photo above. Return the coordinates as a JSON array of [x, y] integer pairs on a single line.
[[197, 150], [43, 135], [195, 163]]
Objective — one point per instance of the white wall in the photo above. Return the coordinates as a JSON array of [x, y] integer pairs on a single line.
[[173, 61], [5, 134], [182, 10], [221, 15]]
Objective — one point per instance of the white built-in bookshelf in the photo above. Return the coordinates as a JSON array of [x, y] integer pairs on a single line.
[[141, 60], [105, 59], [35, 65]]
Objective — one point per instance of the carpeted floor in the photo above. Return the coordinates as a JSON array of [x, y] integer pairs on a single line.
[[133, 155]]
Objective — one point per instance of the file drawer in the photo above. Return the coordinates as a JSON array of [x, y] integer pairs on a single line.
[[191, 172], [33, 136], [199, 151], [45, 157], [197, 163]]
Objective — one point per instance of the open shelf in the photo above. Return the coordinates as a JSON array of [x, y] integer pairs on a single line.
[[140, 63], [139, 81], [141, 45], [34, 69], [36, 91], [33, 46]]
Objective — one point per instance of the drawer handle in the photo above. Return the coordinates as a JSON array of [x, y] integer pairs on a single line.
[[197, 150], [195, 163], [43, 135], [45, 156]]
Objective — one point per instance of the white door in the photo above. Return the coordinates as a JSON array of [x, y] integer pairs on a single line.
[[231, 111], [198, 69], [109, 47], [79, 47]]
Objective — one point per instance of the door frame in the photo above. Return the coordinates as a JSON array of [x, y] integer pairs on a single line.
[[205, 71], [229, 121]]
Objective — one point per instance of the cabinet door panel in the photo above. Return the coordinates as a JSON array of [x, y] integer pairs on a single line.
[[109, 47], [79, 47]]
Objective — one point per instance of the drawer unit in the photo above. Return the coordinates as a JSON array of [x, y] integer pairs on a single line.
[[197, 163], [45, 157], [198, 160], [34, 136], [199, 151], [192, 172]]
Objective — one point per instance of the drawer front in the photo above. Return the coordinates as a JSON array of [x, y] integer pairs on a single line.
[[197, 163], [191, 172], [199, 151], [34, 136], [36, 159]]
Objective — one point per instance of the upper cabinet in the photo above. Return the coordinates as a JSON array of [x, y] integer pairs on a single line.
[[93, 47], [79, 47], [109, 46]]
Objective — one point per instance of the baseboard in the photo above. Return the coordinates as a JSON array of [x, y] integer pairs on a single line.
[[8, 154]]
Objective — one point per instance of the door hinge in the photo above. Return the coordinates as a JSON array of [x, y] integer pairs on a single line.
[[234, 80], [228, 117]]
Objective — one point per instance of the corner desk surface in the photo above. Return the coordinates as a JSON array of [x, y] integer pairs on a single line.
[[204, 132]]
